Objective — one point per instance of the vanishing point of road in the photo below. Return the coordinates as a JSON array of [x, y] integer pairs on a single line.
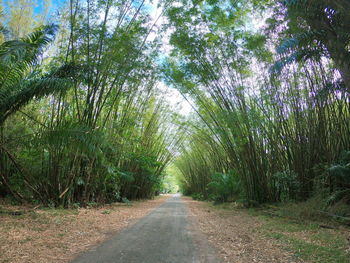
[[166, 235]]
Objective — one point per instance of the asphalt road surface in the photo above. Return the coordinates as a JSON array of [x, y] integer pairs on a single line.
[[166, 235]]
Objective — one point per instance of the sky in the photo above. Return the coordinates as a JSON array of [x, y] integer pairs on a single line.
[[40, 4], [173, 96]]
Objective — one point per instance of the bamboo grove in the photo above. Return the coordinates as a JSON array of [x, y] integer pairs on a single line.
[[273, 102], [101, 135], [83, 116]]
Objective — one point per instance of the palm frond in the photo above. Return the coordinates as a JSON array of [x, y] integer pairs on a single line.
[[4, 30], [299, 48], [298, 56], [337, 196], [26, 51], [76, 135], [13, 51], [19, 84], [27, 90], [299, 40]]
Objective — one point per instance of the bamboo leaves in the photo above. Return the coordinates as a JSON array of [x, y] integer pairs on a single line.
[[272, 129]]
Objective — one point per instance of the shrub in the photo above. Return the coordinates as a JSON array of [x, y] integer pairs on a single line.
[[198, 196], [285, 185], [340, 180], [225, 186]]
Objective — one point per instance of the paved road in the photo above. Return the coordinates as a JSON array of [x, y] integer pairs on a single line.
[[166, 235]]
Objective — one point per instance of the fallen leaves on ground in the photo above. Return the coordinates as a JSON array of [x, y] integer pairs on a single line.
[[236, 235], [58, 235]]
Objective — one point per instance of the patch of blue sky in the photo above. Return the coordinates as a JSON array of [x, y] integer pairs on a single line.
[[55, 4], [149, 8], [39, 5], [146, 6]]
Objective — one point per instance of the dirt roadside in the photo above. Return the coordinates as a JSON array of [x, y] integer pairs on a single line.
[[236, 235], [59, 235]]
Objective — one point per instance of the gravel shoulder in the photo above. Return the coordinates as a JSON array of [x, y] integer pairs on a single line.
[[59, 235]]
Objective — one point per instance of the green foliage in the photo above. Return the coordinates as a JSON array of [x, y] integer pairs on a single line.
[[285, 185], [84, 121], [317, 28], [107, 138], [340, 179], [20, 81], [198, 196], [272, 116], [169, 184], [225, 187]]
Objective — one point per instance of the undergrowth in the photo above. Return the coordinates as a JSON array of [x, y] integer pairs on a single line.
[[301, 229]]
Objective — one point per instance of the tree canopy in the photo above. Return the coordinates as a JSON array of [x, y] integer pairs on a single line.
[[85, 113]]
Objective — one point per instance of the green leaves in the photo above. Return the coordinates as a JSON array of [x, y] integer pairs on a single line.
[[75, 136], [19, 82], [26, 90], [127, 176], [341, 172], [295, 3], [254, 121], [319, 26], [301, 47], [26, 51], [225, 186]]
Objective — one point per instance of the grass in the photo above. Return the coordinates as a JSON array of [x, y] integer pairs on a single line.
[[311, 252], [306, 239], [297, 229]]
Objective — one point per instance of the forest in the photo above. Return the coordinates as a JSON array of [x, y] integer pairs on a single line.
[[85, 113]]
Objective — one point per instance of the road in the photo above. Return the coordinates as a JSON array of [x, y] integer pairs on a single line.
[[166, 235]]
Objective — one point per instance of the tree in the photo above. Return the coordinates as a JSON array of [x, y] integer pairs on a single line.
[[275, 130], [22, 81], [319, 28], [19, 76]]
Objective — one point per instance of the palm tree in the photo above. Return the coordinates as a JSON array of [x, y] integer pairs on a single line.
[[22, 80], [20, 76]]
